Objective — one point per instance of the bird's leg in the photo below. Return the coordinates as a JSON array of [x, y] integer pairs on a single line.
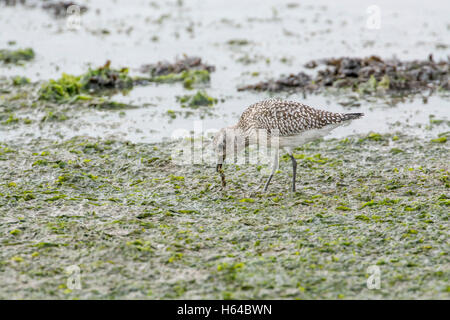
[[294, 171], [274, 168], [267, 183]]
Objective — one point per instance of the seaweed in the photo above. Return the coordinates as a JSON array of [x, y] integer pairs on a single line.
[[105, 78], [20, 81], [136, 205], [70, 88], [188, 77], [59, 8], [364, 75], [61, 90], [189, 70], [195, 101], [18, 56], [180, 65]]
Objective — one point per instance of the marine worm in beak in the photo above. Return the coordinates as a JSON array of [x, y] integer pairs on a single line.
[[222, 175]]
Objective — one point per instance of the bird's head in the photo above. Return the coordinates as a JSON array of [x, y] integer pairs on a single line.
[[229, 140]]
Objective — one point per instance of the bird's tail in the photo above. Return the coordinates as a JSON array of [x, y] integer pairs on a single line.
[[351, 116]]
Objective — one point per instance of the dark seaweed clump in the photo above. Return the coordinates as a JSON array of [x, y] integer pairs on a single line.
[[365, 75], [286, 83], [189, 70], [162, 68], [16, 56], [12, 2], [106, 78], [59, 8]]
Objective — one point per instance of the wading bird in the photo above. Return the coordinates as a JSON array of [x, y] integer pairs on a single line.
[[291, 123]]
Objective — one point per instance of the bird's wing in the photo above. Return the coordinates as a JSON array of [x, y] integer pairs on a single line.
[[288, 117]]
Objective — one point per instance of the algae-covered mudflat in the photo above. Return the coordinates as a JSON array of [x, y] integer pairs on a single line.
[[139, 226], [94, 203]]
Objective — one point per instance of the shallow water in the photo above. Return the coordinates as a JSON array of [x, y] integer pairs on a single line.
[[282, 37]]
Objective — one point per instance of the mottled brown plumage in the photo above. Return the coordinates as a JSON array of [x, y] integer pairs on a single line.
[[292, 123], [288, 117]]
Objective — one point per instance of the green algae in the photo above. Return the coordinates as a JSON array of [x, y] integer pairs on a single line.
[[71, 88], [15, 232], [11, 119], [197, 100], [106, 78], [20, 81], [188, 77], [238, 42], [16, 56], [369, 86], [111, 207], [440, 140], [61, 90], [189, 70]]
